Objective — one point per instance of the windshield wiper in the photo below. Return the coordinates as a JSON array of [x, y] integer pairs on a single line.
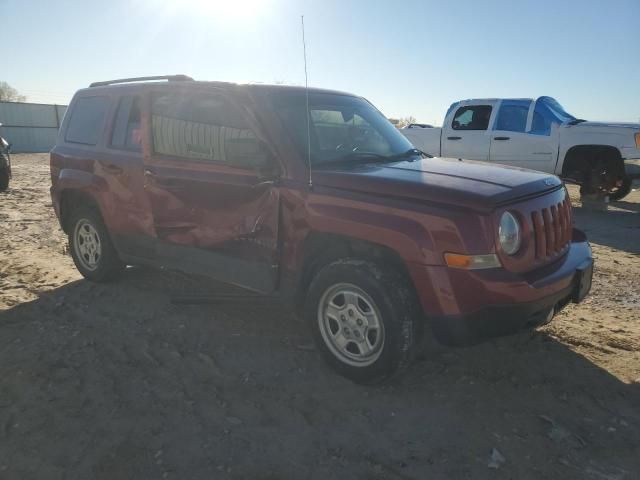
[[412, 152], [372, 157], [576, 121]]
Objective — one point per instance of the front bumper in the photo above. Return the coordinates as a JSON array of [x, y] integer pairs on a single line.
[[465, 307]]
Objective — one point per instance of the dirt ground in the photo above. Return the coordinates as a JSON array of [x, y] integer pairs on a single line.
[[116, 382]]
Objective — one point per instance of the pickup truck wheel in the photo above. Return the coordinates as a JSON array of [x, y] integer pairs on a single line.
[[91, 248], [363, 319]]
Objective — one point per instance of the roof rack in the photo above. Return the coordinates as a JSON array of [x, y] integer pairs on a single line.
[[169, 78]]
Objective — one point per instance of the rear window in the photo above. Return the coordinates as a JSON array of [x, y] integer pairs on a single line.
[[87, 120]]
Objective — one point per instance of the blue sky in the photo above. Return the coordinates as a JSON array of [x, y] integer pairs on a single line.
[[407, 57]]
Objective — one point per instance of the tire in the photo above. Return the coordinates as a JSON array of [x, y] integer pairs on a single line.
[[622, 191], [91, 248], [4, 177], [364, 319]]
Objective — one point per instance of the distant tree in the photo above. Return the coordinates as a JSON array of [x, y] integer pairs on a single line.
[[404, 121], [10, 94]]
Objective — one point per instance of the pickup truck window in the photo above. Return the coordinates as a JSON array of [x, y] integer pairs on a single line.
[[198, 126], [341, 127], [472, 117], [512, 115]]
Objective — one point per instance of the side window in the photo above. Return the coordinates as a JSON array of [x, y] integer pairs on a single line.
[[205, 127], [512, 116], [127, 133], [87, 120], [473, 117]]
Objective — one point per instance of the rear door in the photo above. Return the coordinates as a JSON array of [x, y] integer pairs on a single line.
[[514, 143], [209, 179], [466, 133]]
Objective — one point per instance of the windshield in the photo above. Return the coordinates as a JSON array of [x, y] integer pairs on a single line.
[[342, 127]]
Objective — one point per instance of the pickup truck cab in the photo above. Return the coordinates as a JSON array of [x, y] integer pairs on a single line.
[[538, 134], [312, 196]]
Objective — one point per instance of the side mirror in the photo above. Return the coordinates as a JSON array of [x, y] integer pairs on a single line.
[[247, 152]]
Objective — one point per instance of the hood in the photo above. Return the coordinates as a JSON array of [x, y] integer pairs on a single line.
[[468, 184], [635, 126]]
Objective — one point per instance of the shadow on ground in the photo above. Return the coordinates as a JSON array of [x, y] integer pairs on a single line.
[[114, 382], [618, 228]]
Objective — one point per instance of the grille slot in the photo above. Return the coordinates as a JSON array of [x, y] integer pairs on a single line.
[[552, 229]]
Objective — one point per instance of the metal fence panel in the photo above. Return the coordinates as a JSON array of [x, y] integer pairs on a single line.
[[30, 127]]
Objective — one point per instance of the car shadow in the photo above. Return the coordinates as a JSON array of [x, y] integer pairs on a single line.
[[116, 381], [618, 228]]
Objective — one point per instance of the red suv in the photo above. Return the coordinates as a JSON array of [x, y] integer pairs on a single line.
[[312, 195]]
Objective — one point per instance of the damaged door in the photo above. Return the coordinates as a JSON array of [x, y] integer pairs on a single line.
[[211, 185]]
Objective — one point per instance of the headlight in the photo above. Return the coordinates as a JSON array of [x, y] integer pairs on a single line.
[[509, 233]]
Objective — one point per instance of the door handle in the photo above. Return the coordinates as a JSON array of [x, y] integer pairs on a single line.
[[454, 138], [502, 138], [113, 169], [167, 183]]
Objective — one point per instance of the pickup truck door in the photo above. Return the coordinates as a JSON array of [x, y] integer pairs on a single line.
[[466, 132], [215, 209], [514, 143]]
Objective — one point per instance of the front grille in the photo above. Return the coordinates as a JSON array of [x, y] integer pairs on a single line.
[[552, 229]]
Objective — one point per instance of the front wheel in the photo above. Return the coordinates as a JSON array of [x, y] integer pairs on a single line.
[[364, 319], [4, 179], [91, 248]]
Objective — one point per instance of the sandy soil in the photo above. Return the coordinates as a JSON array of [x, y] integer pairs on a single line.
[[115, 382]]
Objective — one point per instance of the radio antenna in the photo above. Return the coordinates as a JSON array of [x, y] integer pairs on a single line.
[[306, 88]]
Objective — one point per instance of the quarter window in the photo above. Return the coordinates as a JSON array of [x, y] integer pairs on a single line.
[[473, 117], [512, 115], [127, 132], [203, 127], [87, 120]]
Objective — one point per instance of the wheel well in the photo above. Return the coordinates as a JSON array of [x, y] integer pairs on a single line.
[[69, 201], [582, 159], [320, 249]]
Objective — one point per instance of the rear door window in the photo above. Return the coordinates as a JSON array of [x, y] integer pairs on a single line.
[[512, 115], [127, 134], [87, 120], [200, 126]]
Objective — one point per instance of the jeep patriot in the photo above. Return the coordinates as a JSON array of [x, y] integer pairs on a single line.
[[314, 197]]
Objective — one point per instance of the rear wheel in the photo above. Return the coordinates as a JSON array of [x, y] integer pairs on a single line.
[[91, 248], [364, 319]]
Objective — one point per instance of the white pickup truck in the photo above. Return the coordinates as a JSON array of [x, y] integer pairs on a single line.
[[540, 135]]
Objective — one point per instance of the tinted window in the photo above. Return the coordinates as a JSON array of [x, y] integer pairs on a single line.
[[87, 120], [474, 117], [127, 133], [202, 127], [512, 116]]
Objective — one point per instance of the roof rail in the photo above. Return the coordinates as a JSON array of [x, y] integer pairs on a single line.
[[169, 78]]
